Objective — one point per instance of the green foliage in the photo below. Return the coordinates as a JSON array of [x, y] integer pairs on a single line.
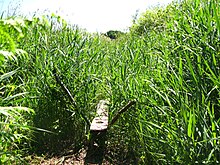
[[14, 27], [184, 91], [113, 34], [6, 42], [14, 126], [195, 33], [171, 69], [153, 20], [73, 56]]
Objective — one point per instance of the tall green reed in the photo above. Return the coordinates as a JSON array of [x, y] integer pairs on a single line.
[[173, 74], [15, 132], [187, 85], [79, 59], [176, 85]]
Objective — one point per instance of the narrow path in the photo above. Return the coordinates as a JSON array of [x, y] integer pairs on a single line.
[[77, 159]]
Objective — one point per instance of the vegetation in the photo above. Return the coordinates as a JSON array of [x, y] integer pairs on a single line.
[[113, 34], [14, 119], [168, 63]]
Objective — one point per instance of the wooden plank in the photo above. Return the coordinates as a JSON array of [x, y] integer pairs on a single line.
[[98, 131], [100, 122]]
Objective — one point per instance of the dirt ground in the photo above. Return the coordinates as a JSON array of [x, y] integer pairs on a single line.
[[63, 160]]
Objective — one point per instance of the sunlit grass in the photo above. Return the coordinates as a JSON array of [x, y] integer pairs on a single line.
[[172, 74]]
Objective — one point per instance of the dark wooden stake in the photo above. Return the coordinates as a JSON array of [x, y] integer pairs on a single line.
[[65, 89], [125, 108]]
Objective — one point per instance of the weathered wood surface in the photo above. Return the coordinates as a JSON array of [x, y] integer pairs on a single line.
[[100, 122], [98, 131]]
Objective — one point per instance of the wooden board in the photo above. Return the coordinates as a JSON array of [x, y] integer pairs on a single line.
[[100, 122]]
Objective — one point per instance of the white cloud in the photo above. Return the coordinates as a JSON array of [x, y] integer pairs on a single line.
[[95, 15]]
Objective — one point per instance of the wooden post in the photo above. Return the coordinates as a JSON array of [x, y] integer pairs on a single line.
[[98, 131]]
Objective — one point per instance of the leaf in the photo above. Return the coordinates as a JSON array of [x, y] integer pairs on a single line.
[[2, 58], [18, 108], [7, 75], [14, 96], [6, 54]]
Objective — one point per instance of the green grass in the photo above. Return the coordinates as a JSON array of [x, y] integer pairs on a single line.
[[171, 70]]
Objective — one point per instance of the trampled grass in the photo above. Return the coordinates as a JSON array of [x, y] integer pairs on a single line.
[[172, 74]]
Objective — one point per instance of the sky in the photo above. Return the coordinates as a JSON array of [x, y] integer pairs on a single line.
[[92, 15]]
